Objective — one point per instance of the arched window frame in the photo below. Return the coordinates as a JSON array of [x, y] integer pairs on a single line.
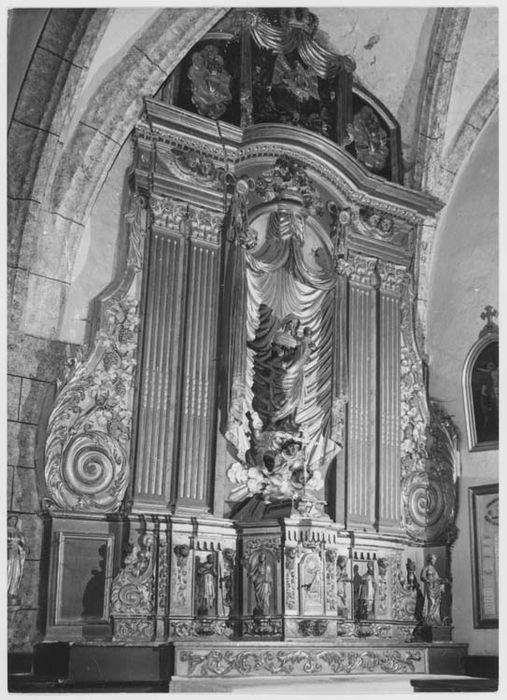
[[474, 445]]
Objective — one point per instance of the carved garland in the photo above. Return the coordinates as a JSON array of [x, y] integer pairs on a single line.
[[231, 663]]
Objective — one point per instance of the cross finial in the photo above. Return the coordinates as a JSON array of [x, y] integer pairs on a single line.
[[487, 315]]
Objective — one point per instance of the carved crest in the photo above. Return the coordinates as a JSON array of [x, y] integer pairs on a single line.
[[210, 81]]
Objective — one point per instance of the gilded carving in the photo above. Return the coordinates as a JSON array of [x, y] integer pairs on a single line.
[[291, 601], [186, 220], [382, 585], [133, 628], [179, 582], [433, 587], [288, 180], [133, 590], [89, 430], [220, 663], [312, 627], [391, 277], [331, 580], [201, 628], [363, 270], [137, 218], [365, 594], [210, 81], [191, 165], [362, 630], [261, 574], [429, 492], [263, 627], [370, 140], [17, 550], [227, 579], [342, 587], [405, 591], [206, 578], [311, 583], [162, 574]]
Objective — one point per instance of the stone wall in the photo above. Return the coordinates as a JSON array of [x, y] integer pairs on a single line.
[[464, 281]]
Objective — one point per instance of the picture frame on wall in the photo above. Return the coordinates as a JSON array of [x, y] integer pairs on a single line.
[[484, 507], [481, 393]]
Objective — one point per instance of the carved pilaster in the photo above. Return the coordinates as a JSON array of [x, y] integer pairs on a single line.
[[133, 602], [361, 450], [291, 580], [174, 454], [391, 278]]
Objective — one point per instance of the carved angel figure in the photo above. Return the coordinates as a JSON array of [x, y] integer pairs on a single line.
[[16, 554]]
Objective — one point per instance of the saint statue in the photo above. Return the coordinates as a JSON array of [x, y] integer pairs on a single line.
[[290, 351], [342, 579], [261, 574], [206, 586], [16, 554], [433, 587], [366, 594]]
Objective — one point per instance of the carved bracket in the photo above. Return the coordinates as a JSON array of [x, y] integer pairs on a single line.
[[89, 430]]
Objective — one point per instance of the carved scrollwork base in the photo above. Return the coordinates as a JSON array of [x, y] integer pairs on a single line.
[[203, 628], [221, 663]]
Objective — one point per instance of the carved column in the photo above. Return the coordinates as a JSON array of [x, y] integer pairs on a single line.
[[361, 452], [388, 507]]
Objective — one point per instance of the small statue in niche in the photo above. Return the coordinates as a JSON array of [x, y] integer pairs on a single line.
[[261, 574], [366, 594], [433, 588], [210, 82], [206, 578], [226, 578], [342, 579], [16, 555]]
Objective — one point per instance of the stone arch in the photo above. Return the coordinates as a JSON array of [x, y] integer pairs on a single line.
[[68, 176], [436, 89], [468, 133]]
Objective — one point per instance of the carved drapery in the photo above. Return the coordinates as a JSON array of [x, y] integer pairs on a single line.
[[279, 341], [90, 427]]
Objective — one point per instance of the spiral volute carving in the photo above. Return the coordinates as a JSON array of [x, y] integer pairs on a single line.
[[94, 467]]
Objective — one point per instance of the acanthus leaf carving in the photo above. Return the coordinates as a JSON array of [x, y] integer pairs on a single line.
[[89, 429], [186, 220], [133, 590], [362, 270], [218, 663]]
